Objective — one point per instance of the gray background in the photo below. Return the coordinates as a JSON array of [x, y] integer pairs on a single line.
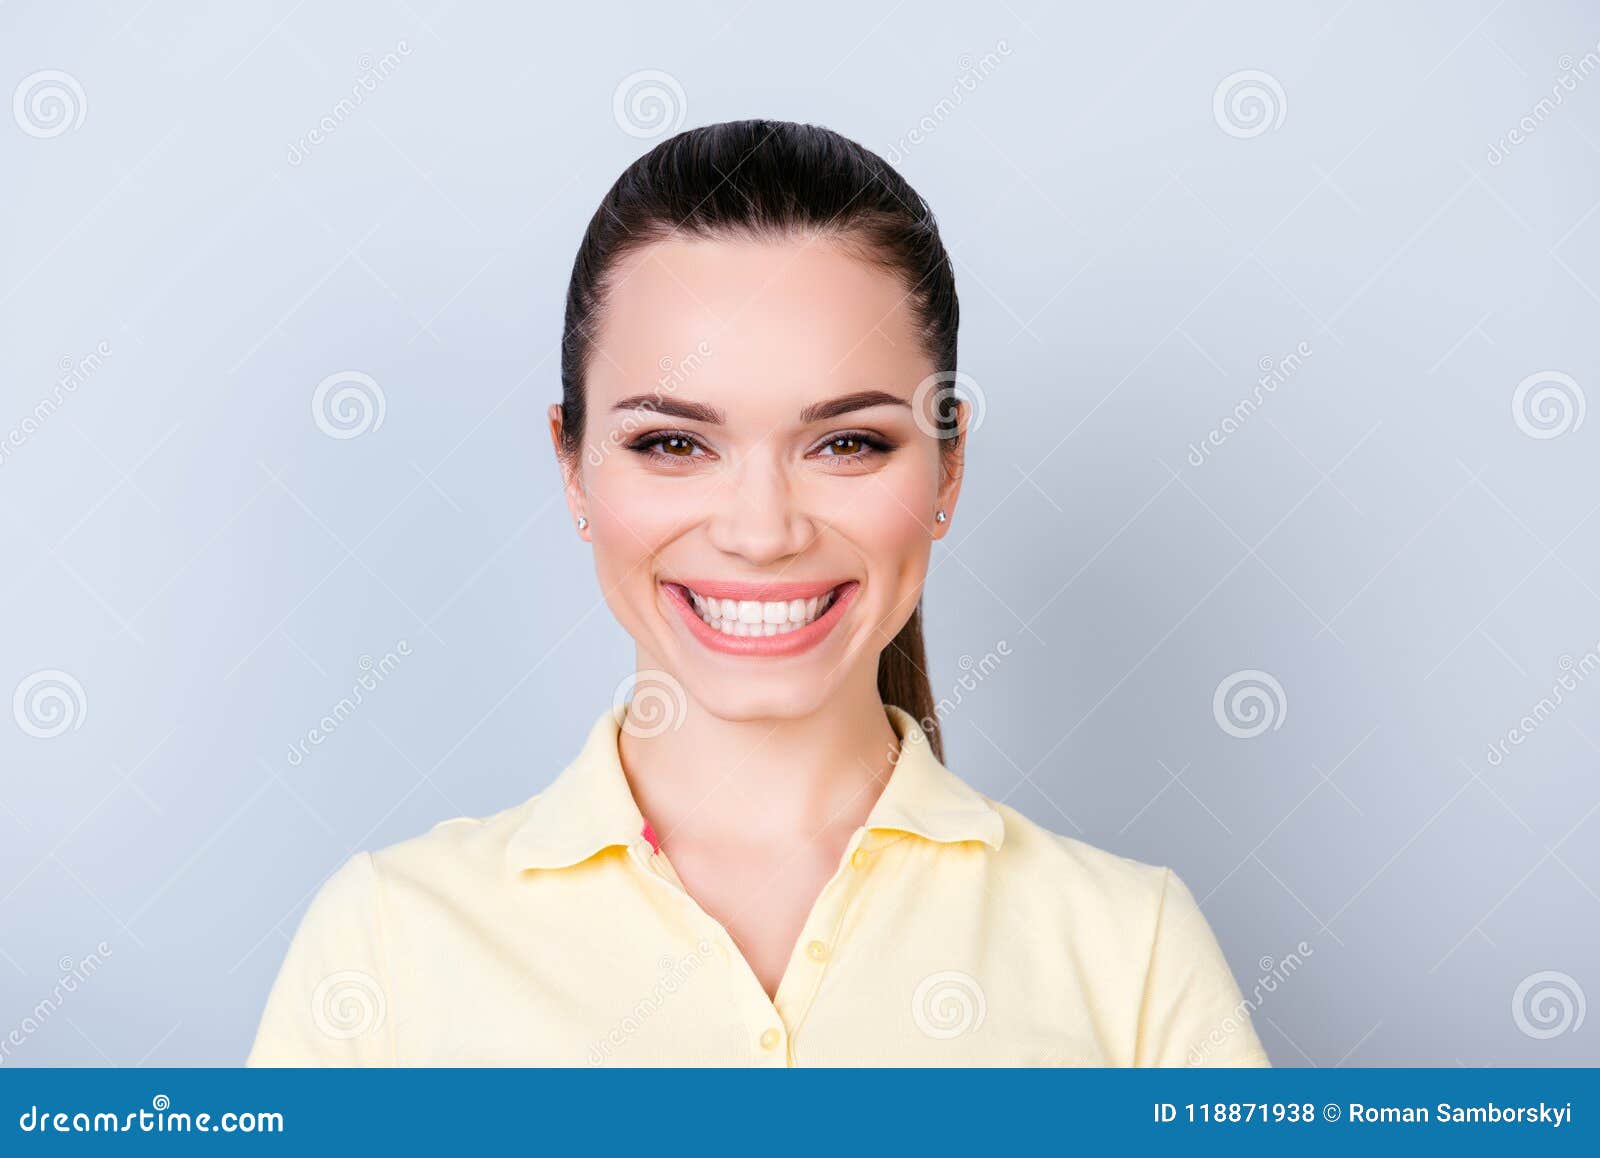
[[1383, 535]]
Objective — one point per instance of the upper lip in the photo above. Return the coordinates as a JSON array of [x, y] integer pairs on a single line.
[[759, 592]]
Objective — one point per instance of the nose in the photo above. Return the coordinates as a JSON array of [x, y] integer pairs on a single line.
[[760, 512]]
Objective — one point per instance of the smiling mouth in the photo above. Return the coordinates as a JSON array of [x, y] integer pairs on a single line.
[[759, 617], [770, 626]]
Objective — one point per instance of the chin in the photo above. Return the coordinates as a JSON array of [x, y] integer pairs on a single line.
[[775, 697], [762, 651]]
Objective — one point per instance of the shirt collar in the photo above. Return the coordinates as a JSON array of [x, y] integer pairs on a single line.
[[589, 806]]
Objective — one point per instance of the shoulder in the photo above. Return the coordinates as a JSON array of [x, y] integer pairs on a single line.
[[1132, 924], [1081, 890], [460, 849], [1074, 866]]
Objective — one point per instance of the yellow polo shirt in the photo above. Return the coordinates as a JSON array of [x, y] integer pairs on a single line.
[[954, 932]]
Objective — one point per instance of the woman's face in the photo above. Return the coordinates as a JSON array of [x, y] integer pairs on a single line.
[[759, 488]]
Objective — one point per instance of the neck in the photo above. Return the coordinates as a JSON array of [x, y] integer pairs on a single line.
[[768, 780]]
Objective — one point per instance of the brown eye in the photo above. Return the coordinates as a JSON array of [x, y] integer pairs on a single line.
[[668, 444], [846, 445], [858, 444]]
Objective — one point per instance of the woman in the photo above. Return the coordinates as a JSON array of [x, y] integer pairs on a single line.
[[760, 859]]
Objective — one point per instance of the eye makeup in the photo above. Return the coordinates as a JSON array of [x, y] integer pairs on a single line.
[[680, 445]]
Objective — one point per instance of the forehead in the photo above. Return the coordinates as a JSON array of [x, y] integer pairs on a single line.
[[800, 318]]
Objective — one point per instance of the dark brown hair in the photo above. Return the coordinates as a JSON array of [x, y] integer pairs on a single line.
[[766, 180]]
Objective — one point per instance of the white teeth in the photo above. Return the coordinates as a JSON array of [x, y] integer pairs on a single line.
[[752, 617]]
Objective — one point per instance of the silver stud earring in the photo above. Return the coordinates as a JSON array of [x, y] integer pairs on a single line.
[[939, 516], [583, 523]]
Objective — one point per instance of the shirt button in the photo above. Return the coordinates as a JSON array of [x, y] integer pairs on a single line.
[[817, 951], [771, 1038], [859, 858]]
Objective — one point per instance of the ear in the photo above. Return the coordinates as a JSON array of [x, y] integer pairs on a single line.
[[571, 483], [952, 468]]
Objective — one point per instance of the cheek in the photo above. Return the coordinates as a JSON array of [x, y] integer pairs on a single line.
[[886, 520], [628, 522]]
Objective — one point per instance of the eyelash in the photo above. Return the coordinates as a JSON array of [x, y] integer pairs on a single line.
[[875, 446]]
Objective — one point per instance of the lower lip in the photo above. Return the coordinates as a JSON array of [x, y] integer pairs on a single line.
[[789, 643]]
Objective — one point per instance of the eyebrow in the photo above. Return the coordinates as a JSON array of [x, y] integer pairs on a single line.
[[711, 416]]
